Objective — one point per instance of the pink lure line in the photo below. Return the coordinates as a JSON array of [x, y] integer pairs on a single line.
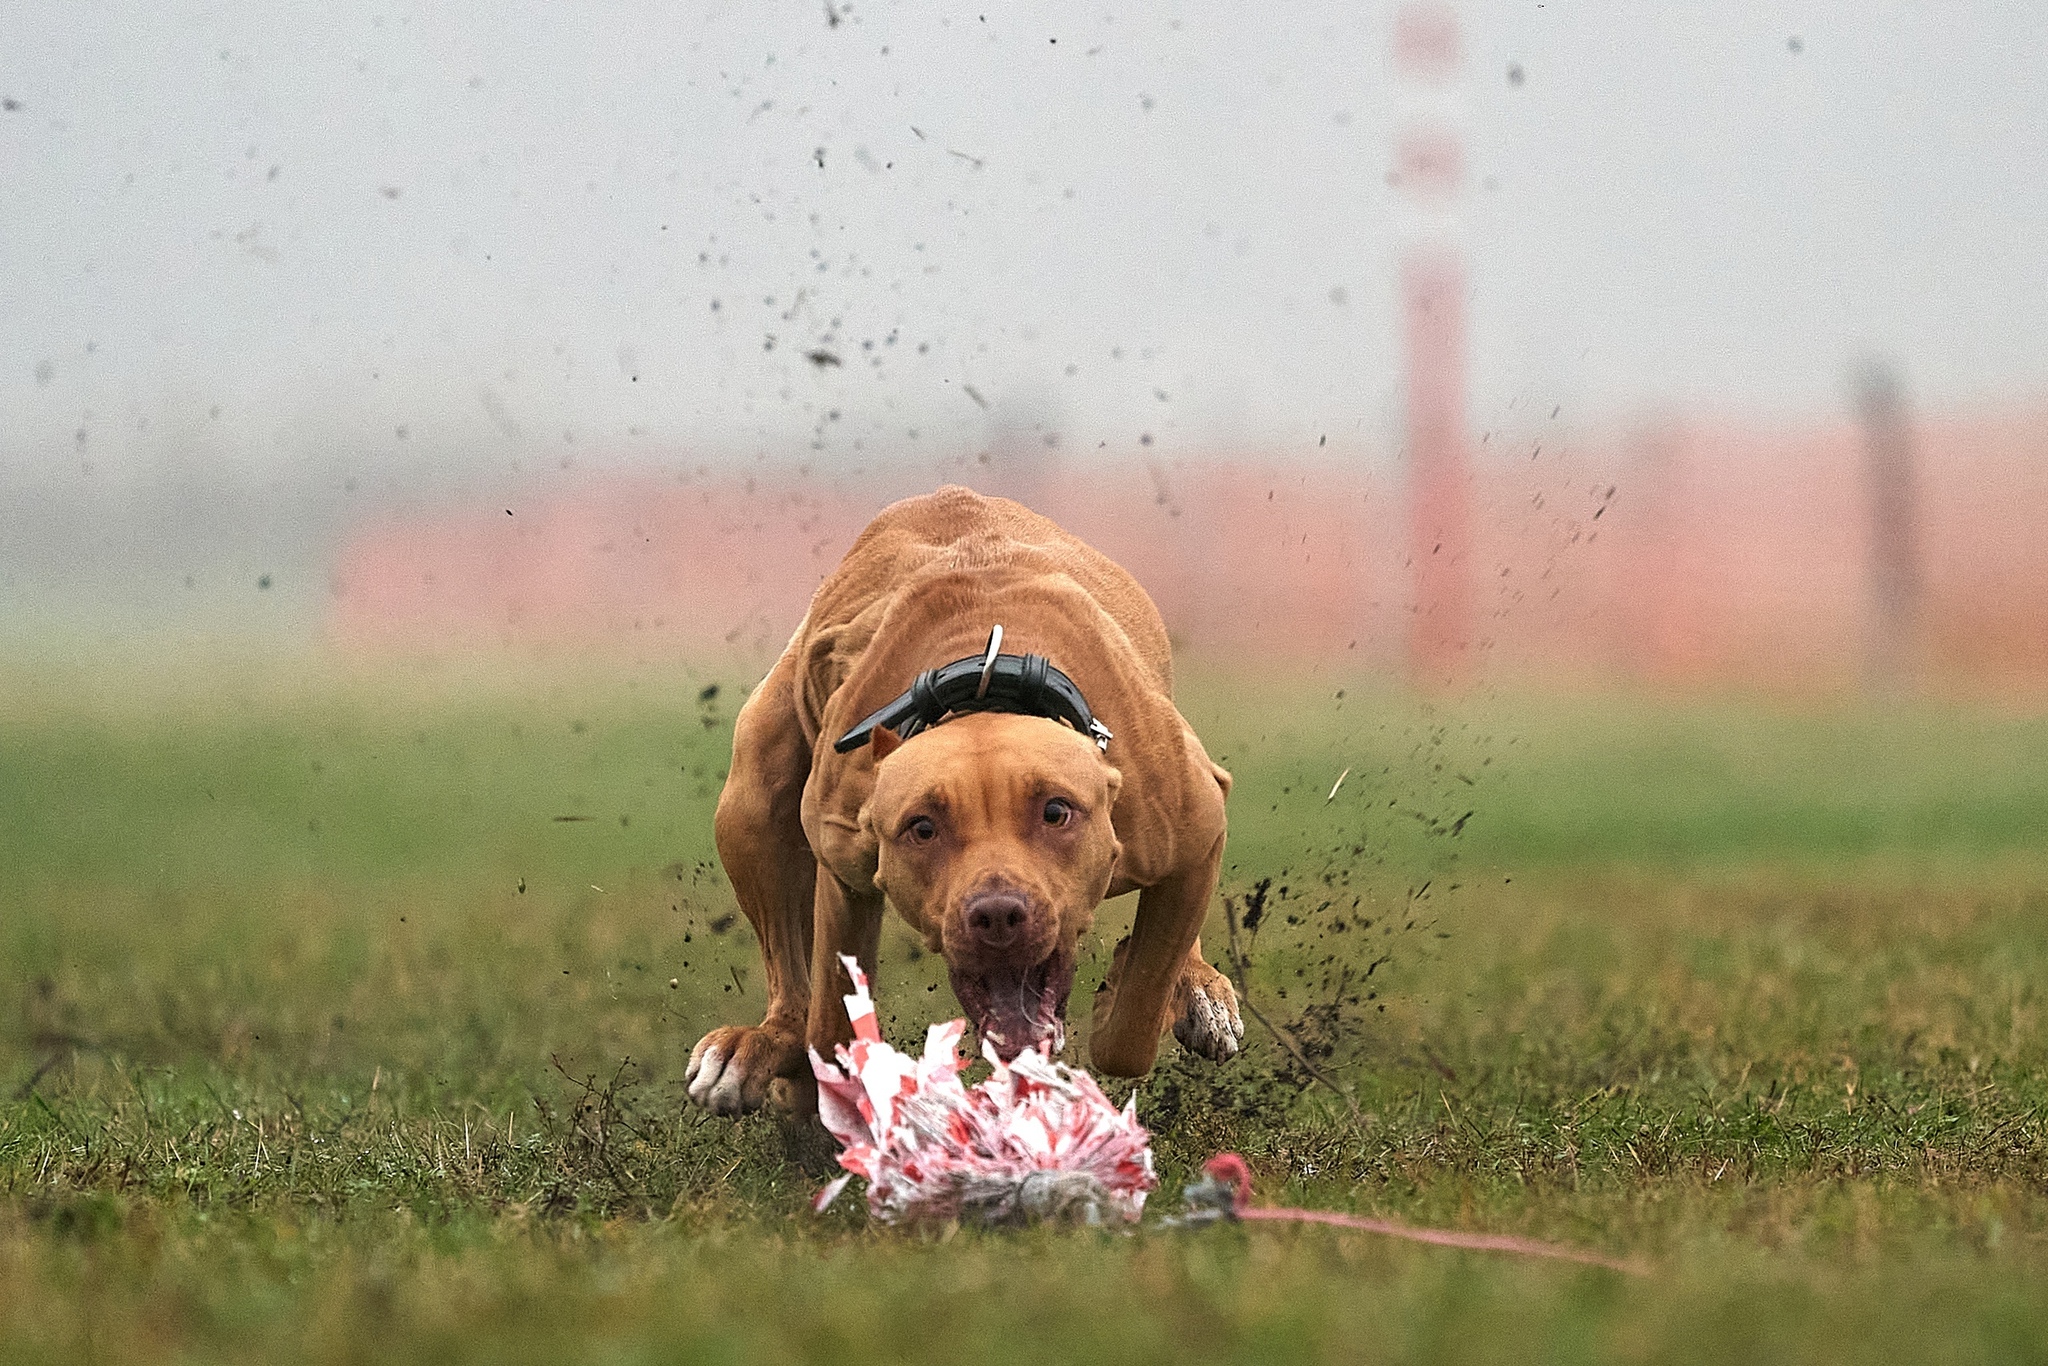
[[1230, 1169]]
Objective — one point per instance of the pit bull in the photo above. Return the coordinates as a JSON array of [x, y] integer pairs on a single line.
[[974, 723]]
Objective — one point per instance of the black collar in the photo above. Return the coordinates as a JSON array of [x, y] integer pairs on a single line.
[[1026, 685]]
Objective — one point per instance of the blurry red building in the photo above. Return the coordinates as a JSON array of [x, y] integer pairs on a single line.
[[1687, 553]]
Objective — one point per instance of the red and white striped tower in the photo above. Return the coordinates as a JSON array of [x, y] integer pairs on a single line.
[[1429, 169]]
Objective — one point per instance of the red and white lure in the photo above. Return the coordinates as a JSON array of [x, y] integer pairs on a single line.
[[1036, 1141]]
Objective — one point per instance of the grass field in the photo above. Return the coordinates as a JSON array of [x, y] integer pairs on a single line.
[[337, 1024]]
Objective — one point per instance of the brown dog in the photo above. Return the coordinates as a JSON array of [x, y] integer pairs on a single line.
[[995, 834]]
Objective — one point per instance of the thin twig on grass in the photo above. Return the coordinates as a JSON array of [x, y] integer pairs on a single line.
[[600, 1104], [27, 1088], [1240, 969]]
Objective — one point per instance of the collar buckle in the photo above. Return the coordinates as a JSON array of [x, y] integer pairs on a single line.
[[1026, 685], [988, 661]]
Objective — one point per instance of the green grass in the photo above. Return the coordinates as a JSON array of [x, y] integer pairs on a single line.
[[322, 1038]]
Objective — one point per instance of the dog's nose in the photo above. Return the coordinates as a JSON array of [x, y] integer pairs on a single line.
[[997, 920]]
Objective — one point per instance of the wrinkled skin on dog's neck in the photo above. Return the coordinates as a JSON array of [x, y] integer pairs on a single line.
[[994, 842]]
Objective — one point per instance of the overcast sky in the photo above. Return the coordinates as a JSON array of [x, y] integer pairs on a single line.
[[281, 237]]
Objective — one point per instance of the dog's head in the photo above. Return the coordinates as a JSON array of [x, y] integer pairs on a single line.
[[994, 842]]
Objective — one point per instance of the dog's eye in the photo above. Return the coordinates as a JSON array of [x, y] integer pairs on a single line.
[[922, 830], [1058, 812]]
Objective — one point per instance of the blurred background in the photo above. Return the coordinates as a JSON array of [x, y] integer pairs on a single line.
[[1592, 459], [1592, 344]]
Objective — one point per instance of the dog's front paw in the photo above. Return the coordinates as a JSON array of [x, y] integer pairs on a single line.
[[1205, 1020], [731, 1068]]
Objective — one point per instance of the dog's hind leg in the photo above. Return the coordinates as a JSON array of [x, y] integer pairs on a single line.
[[1204, 1010], [1150, 976], [761, 843]]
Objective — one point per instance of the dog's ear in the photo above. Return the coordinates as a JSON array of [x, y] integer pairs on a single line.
[[870, 847], [1113, 779], [885, 742]]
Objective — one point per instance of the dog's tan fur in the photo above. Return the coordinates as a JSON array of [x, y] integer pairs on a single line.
[[814, 841]]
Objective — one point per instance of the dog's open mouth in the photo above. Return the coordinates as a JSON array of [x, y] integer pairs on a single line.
[[1016, 1008]]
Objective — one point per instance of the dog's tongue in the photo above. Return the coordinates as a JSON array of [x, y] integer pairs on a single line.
[[1015, 1008]]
